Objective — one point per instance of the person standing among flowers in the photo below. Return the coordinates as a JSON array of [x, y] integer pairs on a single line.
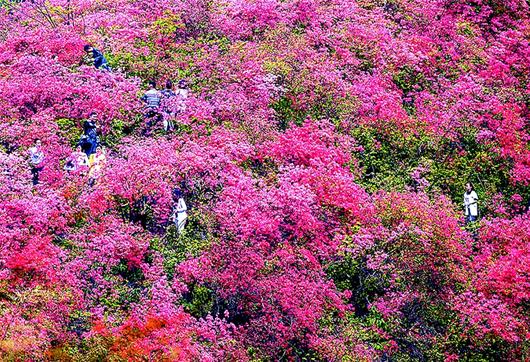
[[36, 158], [180, 214], [97, 166], [182, 93], [471, 203], [168, 114], [89, 142], [152, 99]]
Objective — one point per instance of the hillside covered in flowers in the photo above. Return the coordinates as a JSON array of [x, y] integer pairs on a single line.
[[322, 149]]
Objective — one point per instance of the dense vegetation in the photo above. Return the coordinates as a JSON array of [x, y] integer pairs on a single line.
[[323, 153]]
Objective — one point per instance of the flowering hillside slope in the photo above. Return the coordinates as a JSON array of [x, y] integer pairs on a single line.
[[321, 150]]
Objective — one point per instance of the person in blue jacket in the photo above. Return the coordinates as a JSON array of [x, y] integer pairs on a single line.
[[100, 62], [89, 141]]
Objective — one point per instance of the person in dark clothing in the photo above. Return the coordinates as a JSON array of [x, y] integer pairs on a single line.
[[168, 91], [90, 125], [90, 140], [99, 60], [168, 114]]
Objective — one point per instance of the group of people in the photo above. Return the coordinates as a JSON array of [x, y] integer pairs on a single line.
[[163, 105], [160, 105], [93, 159], [157, 102], [90, 156]]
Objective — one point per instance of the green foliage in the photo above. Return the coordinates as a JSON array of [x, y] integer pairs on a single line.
[[199, 301], [409, 80], [260, 168], [70, 129], [287, 114], [65, 243], [332, 108], [94, 349], [182, 129], [129, 288], [389, 158], [168, 25], [365, 284], [176, 247], [118, 130]]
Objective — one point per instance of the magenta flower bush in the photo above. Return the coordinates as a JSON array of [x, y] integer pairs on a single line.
[[322, 149]]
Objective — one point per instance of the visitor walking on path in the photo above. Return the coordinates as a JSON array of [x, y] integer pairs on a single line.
[[36, 158], [471, 203], [96, 58]]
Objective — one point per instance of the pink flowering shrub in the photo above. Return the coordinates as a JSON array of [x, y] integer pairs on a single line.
[[496, 304], [322, 151]]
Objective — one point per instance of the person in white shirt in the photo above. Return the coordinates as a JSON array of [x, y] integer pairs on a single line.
[[180, 214], [36, 157], [470, 203]]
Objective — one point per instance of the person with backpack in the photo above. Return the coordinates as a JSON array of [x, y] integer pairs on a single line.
[[96, 57], [167, 94], [470, 203], [36, 158]]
